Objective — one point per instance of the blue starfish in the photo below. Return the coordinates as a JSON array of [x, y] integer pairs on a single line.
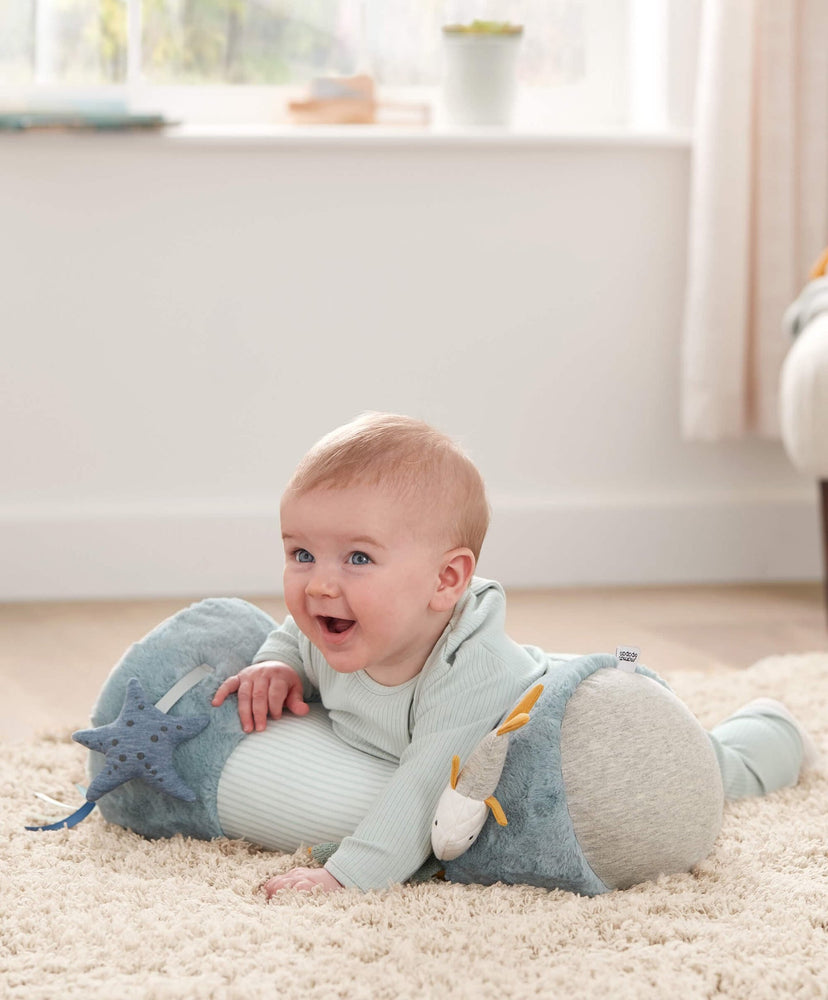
[[140, 744]]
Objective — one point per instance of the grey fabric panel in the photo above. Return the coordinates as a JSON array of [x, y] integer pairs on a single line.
[[642, 782]]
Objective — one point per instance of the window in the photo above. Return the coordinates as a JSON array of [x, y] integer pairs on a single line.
[[238, 59]]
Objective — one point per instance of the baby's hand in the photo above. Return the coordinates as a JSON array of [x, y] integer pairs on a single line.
[[263, 689], [304, 879]]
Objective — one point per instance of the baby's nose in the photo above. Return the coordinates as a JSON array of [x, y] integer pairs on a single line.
[[322, 584]]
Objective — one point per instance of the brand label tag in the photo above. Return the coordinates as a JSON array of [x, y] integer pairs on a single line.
[[627, 657]]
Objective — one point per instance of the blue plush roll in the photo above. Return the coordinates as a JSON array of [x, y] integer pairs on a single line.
[[611, 782]]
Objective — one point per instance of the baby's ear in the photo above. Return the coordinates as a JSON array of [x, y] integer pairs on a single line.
[[457, 569]]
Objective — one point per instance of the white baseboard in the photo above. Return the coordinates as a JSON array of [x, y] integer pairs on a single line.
[[197, 549], [655, 540]]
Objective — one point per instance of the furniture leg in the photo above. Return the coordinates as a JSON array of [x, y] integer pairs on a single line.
[[824, 491]]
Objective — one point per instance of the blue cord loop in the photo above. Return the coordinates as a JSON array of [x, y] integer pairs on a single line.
[[72, 820]]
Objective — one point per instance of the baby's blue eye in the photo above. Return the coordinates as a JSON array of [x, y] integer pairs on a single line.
[[303, 556], [359, 559]]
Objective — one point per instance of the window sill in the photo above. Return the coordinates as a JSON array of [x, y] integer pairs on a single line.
[[389, 136], [338, 137]]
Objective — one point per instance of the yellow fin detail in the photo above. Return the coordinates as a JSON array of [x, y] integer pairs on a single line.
[[512, 723], [519, 715], [820, 267], [455, 770], [497, 810], [526, 702]]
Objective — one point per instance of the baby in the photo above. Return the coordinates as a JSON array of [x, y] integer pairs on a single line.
[[382, 523]]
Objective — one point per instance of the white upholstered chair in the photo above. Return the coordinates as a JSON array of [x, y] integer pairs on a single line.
[[804, 389]]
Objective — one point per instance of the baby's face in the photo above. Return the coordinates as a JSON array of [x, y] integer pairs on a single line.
[[360, 575]]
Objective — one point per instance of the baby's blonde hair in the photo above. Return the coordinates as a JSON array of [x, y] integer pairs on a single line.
[[409, 457]]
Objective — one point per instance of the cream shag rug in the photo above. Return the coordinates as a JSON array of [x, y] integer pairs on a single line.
[[98, 912]]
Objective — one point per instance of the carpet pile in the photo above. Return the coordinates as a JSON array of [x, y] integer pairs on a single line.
[[98, 912]]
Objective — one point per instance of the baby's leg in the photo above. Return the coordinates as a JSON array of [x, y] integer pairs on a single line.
[[761, 748]]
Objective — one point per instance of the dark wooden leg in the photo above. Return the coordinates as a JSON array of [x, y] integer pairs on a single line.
[[824, 490]]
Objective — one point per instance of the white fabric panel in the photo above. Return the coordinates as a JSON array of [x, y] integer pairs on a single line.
[[296, 783]]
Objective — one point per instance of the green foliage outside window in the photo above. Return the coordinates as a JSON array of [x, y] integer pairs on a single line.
[[240, 41], [183, 41]]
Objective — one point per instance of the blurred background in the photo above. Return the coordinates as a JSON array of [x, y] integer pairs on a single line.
[[186, 310]]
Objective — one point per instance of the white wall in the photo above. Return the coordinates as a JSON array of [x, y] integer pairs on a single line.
[[182, 318]]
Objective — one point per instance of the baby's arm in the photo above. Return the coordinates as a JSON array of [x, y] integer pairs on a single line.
[[453, 713], [263, 689]]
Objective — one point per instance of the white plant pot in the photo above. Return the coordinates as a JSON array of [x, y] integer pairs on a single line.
[[480, 77]]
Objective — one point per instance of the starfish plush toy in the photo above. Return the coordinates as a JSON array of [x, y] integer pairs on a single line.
[[140, 744]]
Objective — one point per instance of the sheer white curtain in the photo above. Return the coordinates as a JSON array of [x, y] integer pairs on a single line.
[[758, 208]]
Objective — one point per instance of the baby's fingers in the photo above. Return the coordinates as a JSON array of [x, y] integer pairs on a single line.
[[229, 686], [276, 700], [304, 879], [295, 702], [259, 703]]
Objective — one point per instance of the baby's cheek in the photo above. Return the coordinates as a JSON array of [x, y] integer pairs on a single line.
[[293, 603]]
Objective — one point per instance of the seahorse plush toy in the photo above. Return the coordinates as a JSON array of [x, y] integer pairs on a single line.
[[606, 780], [464, 805]]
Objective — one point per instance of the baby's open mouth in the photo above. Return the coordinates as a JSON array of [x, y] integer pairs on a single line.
[[336, 626]]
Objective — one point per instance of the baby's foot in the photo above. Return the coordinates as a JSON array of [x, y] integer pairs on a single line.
[[769, 706]]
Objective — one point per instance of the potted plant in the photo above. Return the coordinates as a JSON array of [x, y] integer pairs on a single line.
[[479, 79]]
